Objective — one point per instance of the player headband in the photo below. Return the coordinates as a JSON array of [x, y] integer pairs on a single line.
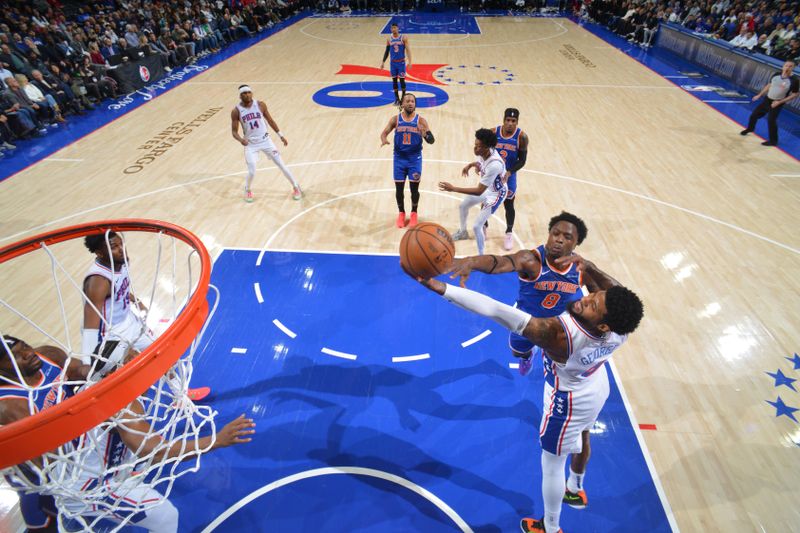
[[511, 112], [245, 89], [10, 341]]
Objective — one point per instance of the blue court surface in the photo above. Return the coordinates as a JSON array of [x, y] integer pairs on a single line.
[[445, 23], [381, 407]]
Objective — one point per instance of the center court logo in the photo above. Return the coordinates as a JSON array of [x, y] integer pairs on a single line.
[[419, 79]]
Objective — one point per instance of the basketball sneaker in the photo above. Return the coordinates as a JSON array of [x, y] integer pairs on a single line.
[[248, 196], [461, 235], [297, 193], [401, 219], [508, 241], [576, 500], [198, 394], [526, 363], [529, 525], [413, 220]]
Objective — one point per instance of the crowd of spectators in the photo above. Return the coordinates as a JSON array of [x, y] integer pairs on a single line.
[[766, 27], [57, 60]]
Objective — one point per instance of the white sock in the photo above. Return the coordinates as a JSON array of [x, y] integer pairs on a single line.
[[509, 317], [553, 486], [575, 481], [286, 172]]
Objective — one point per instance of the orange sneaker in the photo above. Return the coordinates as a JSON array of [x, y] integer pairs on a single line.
[[199, 394], [401, 220], [413, 221], [529, 525]]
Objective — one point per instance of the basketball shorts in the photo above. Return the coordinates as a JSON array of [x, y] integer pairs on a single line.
[[145, 510], [266, 146], [519, 344], [493, 201], [512, 186], [567, 414], [37, 510], [132, 331], [398, 69], [407, 167]]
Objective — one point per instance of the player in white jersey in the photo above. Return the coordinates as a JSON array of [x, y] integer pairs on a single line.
[[107, 313], [577, 343], [102, 452], [254, 117], [489, 193]]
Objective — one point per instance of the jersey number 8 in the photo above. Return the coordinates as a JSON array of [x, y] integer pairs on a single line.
[[551, 300]]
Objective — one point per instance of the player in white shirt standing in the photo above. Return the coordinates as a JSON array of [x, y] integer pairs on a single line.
[[489, 193], [253, 116], [577, 344], [107, 313]]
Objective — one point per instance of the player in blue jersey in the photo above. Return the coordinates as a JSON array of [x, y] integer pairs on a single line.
[[409, 131], [397, 49], [39, 368], [512, 145]]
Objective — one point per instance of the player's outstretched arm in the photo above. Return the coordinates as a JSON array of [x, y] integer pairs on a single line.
[[473, 191], [524, 262], [594, 278], [235, 127], [545, 332]]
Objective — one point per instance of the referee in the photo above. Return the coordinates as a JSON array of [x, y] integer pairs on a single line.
[[781, 88]]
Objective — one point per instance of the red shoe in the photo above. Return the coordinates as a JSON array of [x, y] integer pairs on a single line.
[[413, 221], [401, 219], [529, 525], [199, 394]]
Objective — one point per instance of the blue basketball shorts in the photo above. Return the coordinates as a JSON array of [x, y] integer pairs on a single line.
[[512, 186], [407, 167], [398, 69]]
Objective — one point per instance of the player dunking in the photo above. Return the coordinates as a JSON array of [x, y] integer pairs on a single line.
[[254, 117], [397, 47], [410, 130], [578, 342], [512, 145]]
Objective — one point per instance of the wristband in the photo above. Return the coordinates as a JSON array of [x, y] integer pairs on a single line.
[[89, 341]]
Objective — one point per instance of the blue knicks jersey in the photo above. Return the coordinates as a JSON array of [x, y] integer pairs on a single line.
[[407, 138], [43, 394], [397, 48], [507, 147], [551, 291]]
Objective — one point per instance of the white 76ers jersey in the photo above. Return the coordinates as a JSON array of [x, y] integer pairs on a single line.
[[116, 307], [254, 125], [493, 169], [587, 356]]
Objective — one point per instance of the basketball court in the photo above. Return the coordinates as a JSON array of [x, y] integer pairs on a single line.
[[379, 406]]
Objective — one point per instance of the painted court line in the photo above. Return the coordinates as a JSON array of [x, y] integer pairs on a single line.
[[515, 366], [284, 329], [343, 355], [476, 338], [63, 160], [727, 101], [239, 350], [257, 287], [785, 175], [407, 358]]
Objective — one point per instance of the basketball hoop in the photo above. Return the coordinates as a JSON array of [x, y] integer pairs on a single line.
[[50, 450]]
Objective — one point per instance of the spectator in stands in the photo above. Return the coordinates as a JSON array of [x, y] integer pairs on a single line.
[[48, 108], [746, 39], [14, 61], [56, 93], [15, 103], [763, 45], [109, 49], [791, 52]]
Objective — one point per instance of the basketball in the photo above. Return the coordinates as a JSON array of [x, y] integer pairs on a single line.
[[427, 250]]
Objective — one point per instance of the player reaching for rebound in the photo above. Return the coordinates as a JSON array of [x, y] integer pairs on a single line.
[[409, 131], [397, 47], [578, 342], [512, 145], [254, 117]]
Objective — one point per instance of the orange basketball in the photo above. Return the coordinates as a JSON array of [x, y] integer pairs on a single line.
[[427, 250]]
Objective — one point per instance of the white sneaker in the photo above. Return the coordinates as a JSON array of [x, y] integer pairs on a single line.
[[508, 241], [248, 195], [461, 235], [297, 193]]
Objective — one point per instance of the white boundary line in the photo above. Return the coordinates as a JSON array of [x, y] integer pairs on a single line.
[[259, 297], [280, 326], [353, 470], [343, 355], [645, 452], [785, 175], [372, 160], [60, 159], [476, 338], [407, 358], [725, 101], [239, 350], [515, 366]]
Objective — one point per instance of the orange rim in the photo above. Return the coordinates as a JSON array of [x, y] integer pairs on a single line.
[[48, 429]]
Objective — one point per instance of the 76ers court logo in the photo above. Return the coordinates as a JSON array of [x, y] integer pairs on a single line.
[[144, 73]]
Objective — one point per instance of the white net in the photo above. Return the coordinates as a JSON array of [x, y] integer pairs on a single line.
[[126, 465]]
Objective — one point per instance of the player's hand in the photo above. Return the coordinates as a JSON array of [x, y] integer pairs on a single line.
[[775, 104], [244, 142], [384, 142], [382, 65], [445, 186], [236, 432], [580, 263], [433, 284], [285, 142], [460, 268], [756, 97], [506, 176], [408, 65]]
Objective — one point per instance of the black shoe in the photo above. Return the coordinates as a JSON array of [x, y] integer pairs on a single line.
[[769, 143], [396, 101], [745, 132]]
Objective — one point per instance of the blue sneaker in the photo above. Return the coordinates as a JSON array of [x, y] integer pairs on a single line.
[[526, 363]]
